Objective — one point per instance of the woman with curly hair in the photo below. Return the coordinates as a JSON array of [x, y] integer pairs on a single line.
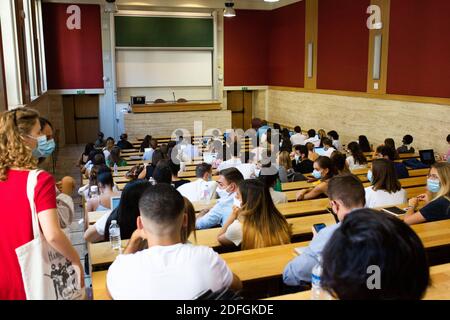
[[21, 141]]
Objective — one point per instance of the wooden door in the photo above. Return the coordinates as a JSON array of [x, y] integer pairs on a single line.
[[3, 98], [240, 103], [81, 120]]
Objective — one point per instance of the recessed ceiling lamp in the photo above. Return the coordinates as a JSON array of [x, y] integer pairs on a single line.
[[229, 11], [271, 0]]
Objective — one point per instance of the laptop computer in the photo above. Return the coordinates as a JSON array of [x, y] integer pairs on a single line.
[[427, 157], [209, 157], [115, 202], [320, 151]]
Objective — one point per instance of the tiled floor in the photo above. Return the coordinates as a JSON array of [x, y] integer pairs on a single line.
[[66, 165]]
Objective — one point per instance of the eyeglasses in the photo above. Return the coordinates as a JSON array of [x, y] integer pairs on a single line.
[[433, 176]]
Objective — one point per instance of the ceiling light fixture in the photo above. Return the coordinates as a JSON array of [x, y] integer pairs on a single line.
[[229, 11]]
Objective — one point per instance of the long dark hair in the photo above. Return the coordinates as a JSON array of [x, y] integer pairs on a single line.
[[145, 143], [364, 144], [128, 210], [390, 143], [326, 163], [114, 156], [356, 152], [162, 172], [88, 148], [384, 176]]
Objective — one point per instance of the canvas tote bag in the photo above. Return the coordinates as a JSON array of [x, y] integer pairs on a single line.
[[46, 274]]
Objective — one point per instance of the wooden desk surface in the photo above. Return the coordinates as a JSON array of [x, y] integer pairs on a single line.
[[270, 262], [176, 107], [439, 290], [101, 253]]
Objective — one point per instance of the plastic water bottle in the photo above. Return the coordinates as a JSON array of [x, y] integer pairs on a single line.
[[115, 169], [94, 192], [114, 235], [317, 293]]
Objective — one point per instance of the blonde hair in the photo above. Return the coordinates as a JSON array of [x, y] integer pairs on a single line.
[[263, 225], [13, 150], [284, 160], [443, 169]]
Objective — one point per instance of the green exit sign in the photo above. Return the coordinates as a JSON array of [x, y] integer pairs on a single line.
[[81, 91], [244, 88]]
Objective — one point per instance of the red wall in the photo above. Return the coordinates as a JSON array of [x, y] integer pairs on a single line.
[[246, 48], [419, 48], [287, 46], [343, 44], [73, 57]]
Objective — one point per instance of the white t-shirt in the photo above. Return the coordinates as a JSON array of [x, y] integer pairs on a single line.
[[329, 151], [381, 198], [314, 140], [337, 144], [193, 190], [248, 170], [100, 224], [352, 165], [176, 272], [106, 153], [232, 163], [234, 232], [297, 139], [278, 197]]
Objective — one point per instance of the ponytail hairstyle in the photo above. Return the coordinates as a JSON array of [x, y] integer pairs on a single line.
[[14, 152]]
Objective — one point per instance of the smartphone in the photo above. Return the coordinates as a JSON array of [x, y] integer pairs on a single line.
[[319, 226], [394, 210]]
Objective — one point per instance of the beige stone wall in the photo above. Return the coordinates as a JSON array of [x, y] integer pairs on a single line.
[[429, 124], [51, 107], [259, 104], [163, 124]]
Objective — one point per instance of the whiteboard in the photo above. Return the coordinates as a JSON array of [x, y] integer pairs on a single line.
[[163, 68]]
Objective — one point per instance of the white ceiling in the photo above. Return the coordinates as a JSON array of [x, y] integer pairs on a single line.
[[186, 4]]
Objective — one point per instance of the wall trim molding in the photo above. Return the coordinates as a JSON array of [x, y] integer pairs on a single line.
[[418, 99], [75, 91]]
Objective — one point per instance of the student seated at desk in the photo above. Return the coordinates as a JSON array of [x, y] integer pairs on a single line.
[[437, 198], [100, 142], [324, 170], [109, 145], [235, 151], [400, 168], [285, 170], [174, 169], [313, 138], [298, 138], [168, 269], [96, 158], [105, 185], [255, 221], [301, 162], [367, 238], [334, 136], [123, 143], [85, 191], [364, 144], [346, 193], [84, 158], [312, 155], [145, 143], [406, 142], [115, 158], [125, 214], [147, 173], [228, 182], [390, 143], [356, 159], [385, 189], [195, 190], [249, 168], [285, 143], [148, 152], [340, 162], [162, 172], [270, 178], [328, 147]]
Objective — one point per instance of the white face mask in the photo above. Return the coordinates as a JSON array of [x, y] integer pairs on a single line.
[[236, 202], [222, 193]]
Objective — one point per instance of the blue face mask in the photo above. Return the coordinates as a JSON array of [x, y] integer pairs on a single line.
[[370, 176], [316, 174], [433, 185], [44, 147]]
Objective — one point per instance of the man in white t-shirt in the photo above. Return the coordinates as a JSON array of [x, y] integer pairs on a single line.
[[168, 269], [298, 138], [313, 138], [201, 189]]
